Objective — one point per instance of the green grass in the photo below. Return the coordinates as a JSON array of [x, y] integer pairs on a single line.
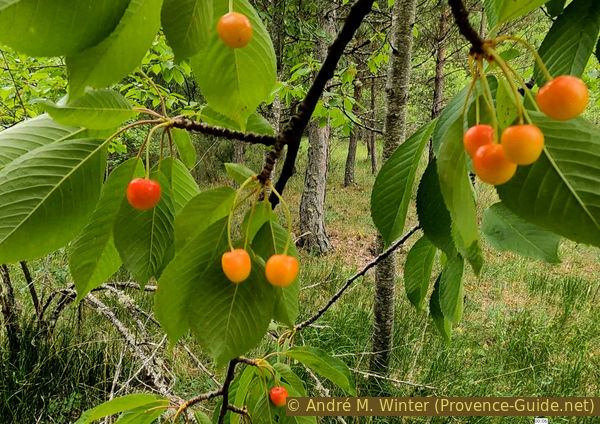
[[529, 328]]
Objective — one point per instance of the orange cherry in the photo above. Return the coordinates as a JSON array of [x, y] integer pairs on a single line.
[[563, 98], [491, 165], [523, 144], [278, 396], [236, 265], [477, 136], [281, 270], [235, 30], [143, 194]]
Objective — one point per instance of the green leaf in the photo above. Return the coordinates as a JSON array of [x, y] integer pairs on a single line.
[[114, 58], [182, 184], [201, 212], [329, 367], [230, 319], [555, 7], [443, 325], [118, 405], [571, 40], [500, 11], [186, 24], [458, 195], [93, 257], [31, 134], [505, 231], [146, 414], [185, 148], [240, 174], [417, 271], [235, 81], [394, 185], [239, 387], [96, 109], [506, 106], [255, 218], [290, 377], [202, 418], [451, 288], [286, 298], [181, 278], [256, 122], [47, 197], [144, 237], [434, 217], [560, 192], [452, 112], [57, 27]]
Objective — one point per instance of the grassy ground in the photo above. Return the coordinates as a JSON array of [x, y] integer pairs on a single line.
[[529, 329]]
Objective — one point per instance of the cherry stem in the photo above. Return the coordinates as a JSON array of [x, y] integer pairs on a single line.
[[250, 221], [507, 73], [147, 111], [533, 51], [526, 89], [464, 109], [230, 6], [162, 100], [289, 217], [147, 145], [234, 206], [489, 94]]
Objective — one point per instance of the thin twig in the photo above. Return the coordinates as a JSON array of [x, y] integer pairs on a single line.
[[356, 276], [393, 380]]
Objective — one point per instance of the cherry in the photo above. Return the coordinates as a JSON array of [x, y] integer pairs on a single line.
[[281, 270], [278, 396], [235, 30], [477, 136], [563, 98], [236, 265], [523, 144], [491, 165], [143, 194]]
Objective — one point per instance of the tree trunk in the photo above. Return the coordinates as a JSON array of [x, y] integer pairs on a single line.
[[397, 92], [238, 156], [10, 311], [373, 135], [312, 205], [440, 61], [354, 134]]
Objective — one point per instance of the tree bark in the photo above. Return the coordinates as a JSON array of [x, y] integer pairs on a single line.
[[440, 61], [10, 311], [312, 205], [372, 135], [397, 92], [354, 134]]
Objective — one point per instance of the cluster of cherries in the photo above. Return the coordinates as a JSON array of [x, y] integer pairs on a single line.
[[562, 98]]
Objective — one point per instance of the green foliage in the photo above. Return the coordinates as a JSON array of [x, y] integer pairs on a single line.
[[327, 366], [393, 187], [116, 56], [182, 184], [443, 324], [571, 40], [500, 11], [96, 110], [417, 271], [505, 231], [186, 25], [136, 406], [240, 174], [185, 148], [222, 73], [450, 289], [558, 192]]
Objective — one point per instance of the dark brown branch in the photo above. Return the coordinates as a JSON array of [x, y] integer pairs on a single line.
[[10, 311], [356, 276], [201, 127], [225, 389], [34, 296], [461, 15], [291, 133]]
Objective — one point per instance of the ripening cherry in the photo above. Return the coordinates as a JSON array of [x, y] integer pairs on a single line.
[[523, 144], [143, 194], [477, 136], [491, 165], [278, 396], [563, 98], [236, 265], [281, 270], [235, 30]]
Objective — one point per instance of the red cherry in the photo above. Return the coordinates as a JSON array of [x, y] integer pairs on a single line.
[[143, 194], [278, 396]]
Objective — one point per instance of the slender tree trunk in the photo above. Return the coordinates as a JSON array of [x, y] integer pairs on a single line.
[[10, 311], [354, 134], [238, 156], [440, 61], [312, 205], [397, 92], [373, 135]]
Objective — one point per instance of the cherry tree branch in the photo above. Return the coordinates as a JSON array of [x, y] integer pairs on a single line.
[[203, 128], [461, 16]]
